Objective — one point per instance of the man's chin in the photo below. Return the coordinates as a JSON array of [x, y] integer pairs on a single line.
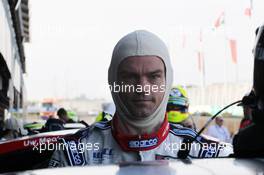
[[142, 114], [141, 111]]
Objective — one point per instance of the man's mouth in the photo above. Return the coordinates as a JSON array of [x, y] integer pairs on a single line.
[[142, 101]]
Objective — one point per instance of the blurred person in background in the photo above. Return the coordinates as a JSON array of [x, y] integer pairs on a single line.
[[219, 131], [247, 111], [55, 124], [66, 117], [177, 108]]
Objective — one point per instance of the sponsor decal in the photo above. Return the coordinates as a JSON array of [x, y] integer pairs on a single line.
[[76, 157], [143, 143], [54, 163], [40, 140], [100, 156], [211, 151]]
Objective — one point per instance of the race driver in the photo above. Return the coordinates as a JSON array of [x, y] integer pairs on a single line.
[[178, 108], [140, 78]]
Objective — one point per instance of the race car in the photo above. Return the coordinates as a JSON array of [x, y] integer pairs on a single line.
[[30, 152], [179, 167]]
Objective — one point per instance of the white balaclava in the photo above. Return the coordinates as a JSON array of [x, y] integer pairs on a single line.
[[140, 43]]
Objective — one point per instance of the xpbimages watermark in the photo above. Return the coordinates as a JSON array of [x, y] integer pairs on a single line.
[[69, 145], [147, 89], [212, 148]]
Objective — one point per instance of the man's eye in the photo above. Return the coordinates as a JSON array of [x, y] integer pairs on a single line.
[[155, 76], [125, 77]]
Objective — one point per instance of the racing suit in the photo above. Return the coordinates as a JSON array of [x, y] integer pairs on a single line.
[[100, 144]]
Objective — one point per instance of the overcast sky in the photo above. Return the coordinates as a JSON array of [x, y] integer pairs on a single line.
[[72, 41]]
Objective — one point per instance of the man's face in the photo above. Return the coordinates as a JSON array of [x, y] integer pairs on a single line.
[[147, 72], [64, 117], [247, 112], [219, 121]]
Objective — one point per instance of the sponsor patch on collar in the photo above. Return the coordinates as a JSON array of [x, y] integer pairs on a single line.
[[143, 143]]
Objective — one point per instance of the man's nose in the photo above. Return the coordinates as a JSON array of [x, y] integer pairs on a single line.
[[143, 82]]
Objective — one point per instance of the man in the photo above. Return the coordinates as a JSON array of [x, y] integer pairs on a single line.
[[249, 141], [177, 107], [140, 78], [63, 116], [219, 131], [54, 124], [246, 121], [247, 110]]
